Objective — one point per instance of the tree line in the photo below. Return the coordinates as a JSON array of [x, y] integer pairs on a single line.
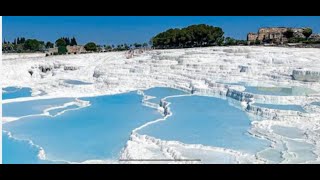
[[70, 42], [192, 36], [200, 35], [21, 44]]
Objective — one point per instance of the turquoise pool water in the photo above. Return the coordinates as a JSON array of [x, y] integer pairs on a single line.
[[99, 131], [19, 109], [232, 83], [18, 152], [316, 103], [280, 91], [58, 110], [290, 132], [208, 121], [281, 107], [76, 82], [161, 92], [15, 92]]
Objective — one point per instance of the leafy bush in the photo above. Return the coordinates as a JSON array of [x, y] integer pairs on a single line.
[[307, 32], [230, 41], [31, 45], [61, 42], [257, 42], [91, 46], [62, 50], [295, 40], [311, 42], [288, 34], [49, 44]]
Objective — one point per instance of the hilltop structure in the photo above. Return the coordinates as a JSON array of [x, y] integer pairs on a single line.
[[76, 49], [276, 35]]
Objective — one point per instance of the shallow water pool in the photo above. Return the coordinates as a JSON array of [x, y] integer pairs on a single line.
[[280, 91], [208, 121], [98, 131], [18, 152], [15, 92], [54, 112], [19, 109], [161, 92], [290, 132], [76, 82]]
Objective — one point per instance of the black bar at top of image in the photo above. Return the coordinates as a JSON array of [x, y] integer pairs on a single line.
[[159, 8]]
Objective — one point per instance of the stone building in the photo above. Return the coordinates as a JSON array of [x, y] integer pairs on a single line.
[[274, 35], [76, 49], [71, 50], [252, 37], [51, 51]]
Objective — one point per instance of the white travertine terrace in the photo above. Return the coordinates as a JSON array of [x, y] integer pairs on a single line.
[[203, 71]]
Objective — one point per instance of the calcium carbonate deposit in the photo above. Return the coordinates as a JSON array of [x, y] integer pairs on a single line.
[[277, 88]]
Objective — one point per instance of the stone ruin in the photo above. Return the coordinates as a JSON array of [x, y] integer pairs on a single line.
[[275, 34]]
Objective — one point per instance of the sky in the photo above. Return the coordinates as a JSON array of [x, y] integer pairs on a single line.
[[130, 29]]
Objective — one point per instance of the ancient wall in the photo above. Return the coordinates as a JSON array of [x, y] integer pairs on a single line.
[[275, 34], [252, 37], [271, 33], [51, 51], [75, 49]]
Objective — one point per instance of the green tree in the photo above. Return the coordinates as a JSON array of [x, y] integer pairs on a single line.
[[61, 42], [230, 41], [191, 36], [296, 40], [145, 44], [31, 45], [137, 45], [62, 50], [91, 46], [22, 40], [288, 34], [241, 42], [108, 47], [49, 44], [257, 42], [126, 46], [67, 41], [307, 32], [73, 41]]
